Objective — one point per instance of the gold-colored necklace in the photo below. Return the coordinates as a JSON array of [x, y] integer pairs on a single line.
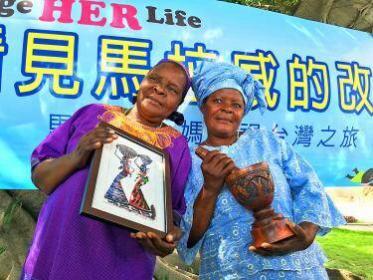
[[136, 121], [161, 136]]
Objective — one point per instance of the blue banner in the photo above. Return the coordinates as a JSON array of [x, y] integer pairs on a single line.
[[56, 56]]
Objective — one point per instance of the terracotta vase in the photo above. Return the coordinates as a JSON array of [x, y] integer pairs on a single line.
[[253, 188]]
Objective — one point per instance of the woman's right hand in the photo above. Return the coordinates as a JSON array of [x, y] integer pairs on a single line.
[[51, 172], [215, 168], [91, 141]]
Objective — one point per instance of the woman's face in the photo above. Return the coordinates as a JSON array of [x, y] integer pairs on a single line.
[[161, 91], [223, 112]]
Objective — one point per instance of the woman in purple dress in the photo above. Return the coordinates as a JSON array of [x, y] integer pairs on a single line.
[[67, 245]]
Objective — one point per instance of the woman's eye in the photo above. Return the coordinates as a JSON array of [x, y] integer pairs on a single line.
[[152, 78], [218, 100], [172, 90], [238, 106]]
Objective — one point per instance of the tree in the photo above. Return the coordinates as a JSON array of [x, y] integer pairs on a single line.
[[356, 14]]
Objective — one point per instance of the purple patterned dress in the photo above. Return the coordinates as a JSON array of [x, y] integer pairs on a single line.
[[67, 245]]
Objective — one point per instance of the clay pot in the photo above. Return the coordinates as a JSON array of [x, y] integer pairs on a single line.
[[253, 188]]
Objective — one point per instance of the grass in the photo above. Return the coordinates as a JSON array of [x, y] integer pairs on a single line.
[[2, 249], [349, 250], [9, 214]]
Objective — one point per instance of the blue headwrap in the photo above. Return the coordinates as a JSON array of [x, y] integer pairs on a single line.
[[211, 76]]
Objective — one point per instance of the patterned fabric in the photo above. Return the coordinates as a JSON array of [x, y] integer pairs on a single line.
[[212, 76], [67, 245], [115, 193], [299, 196], [138, 200], [137, 197]]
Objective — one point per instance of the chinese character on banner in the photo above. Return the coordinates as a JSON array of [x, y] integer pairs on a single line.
[[349, 137], [50, 54], [243, 127], [263, 66], [3, 49], [331, 133], [309, 84], [354, 88], [280, 133], [304, 135], [55, 120], [254, 126], [122, 64], [190, 56], [246, 126], [193, 131]]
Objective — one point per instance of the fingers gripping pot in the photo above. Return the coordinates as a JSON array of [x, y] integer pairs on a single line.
[[253, 188]]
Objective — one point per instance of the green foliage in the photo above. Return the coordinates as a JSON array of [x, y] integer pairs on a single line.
[[349, 250], [163, 277], [9, 214], [281, 6], [2, 249]]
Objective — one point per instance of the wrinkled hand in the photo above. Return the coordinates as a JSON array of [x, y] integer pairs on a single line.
[[305, 233], [215, 168], [155, 244], [91, 141]]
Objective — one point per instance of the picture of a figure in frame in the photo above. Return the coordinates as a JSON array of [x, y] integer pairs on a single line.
[[137, 199], [116, 194]]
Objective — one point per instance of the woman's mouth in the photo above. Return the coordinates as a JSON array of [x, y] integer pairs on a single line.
[[155, 101], [222, 120]]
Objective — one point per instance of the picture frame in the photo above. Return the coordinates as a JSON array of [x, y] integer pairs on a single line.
[[129, 185]]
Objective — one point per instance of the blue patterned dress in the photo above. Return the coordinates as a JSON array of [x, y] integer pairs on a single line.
[[299, 196]]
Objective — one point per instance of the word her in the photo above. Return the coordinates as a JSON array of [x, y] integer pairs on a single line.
[[91, 13]]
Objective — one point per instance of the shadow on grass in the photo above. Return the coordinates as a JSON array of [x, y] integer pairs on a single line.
[[349, 250]]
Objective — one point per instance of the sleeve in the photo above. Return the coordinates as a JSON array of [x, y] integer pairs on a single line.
[[191, 192], [180, 174], [55, 144], [310, 201]]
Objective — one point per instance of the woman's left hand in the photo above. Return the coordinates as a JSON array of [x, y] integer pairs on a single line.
[[155, 244], [305, 233]]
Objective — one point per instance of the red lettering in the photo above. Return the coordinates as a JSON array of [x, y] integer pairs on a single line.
[[64, 9], [88, 11], [123, 15], [127, 12]]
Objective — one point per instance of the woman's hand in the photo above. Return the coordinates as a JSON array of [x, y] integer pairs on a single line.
[[91, 141], [305, 233], [51, 172], [154, 244], [215, 167]]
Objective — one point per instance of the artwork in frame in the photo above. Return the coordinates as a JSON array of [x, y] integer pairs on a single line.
[[129, 185]]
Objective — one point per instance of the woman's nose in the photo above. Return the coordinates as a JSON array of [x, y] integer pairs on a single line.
[[227, 108], [159, 89]]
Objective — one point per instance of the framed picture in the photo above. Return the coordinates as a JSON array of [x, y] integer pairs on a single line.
[[129, 185]]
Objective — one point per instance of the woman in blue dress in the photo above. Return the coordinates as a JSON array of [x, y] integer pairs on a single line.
[[215, 224]]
